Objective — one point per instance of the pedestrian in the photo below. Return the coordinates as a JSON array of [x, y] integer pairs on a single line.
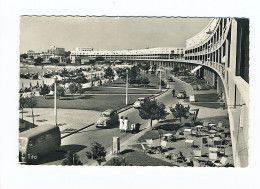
[[132, 128], [173, 92], [125, 124], [121, 123]]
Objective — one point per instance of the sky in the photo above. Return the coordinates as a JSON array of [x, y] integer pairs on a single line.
[[106, 33]]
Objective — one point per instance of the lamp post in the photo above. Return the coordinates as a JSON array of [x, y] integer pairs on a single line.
[[126, 89], [160, 82], [55, 101]]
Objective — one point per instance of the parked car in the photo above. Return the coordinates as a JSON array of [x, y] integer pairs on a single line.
[[182, 94], [138, 102], [108, 118]]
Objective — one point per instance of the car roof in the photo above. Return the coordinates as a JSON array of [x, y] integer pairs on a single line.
[[109, 110], [141, 98], [37, 130], [181, 90]]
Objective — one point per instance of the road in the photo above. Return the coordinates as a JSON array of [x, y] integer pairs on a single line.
[[80, 142]]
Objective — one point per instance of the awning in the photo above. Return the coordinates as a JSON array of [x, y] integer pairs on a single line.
[[195, 69]]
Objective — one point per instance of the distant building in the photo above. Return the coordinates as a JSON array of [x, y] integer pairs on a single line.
[[33, 54], [141, 54], [56, 51], [84, 49]]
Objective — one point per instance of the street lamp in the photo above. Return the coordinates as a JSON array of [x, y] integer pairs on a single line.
[[126, 89], [55, 100], [160, 82]]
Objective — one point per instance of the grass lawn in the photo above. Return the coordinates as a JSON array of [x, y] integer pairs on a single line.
[[211, 97], [209, 105], [136, 158], [105, 90], [89, 102], [121, 83], [101, 102]]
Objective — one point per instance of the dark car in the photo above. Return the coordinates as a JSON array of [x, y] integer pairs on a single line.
[[108, 118]]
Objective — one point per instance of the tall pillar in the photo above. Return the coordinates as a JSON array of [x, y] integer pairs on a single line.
[[218, 85]]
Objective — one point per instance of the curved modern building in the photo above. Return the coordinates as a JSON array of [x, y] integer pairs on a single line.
[[220, 55], [222, 49]]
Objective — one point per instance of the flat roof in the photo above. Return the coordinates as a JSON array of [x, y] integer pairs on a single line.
[[37, 130]]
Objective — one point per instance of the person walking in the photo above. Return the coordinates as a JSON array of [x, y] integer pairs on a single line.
[[173, 92], [121, 123], [125, 124]]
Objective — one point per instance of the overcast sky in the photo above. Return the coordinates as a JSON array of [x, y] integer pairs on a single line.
[[106, 33]]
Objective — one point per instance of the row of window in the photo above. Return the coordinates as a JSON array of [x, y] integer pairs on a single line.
[[216, 38]]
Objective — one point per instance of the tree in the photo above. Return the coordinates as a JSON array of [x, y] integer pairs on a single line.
[[154, 67], [144, 81], [109, 73], [179, 111], [146, 67], [23, 56], [54, 60], [98, 153], [60, 91], [153, 110], [23, 102], [38, 60], [134, 72], [71, 159], [81, 79], [80, 89], [31, 103], [45, 90], [73, 88], [121, 72], [67, 54]]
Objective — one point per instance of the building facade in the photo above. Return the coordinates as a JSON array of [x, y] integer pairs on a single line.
[[222, 48], [33, 54], [124, 55], [56, 51]]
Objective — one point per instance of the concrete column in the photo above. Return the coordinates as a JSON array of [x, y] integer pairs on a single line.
[[226, 59], [232, 68], [218, 85]]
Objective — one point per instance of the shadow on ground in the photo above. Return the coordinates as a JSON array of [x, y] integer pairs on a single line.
[[60, 153]]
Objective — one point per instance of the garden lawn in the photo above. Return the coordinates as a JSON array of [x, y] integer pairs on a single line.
[[89, 102], [212, 97], [121, 83], [136, 158], [107, 90]]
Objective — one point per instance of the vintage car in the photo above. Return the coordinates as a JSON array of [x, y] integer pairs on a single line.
[[182, 94], [108, 118], [138, 102]]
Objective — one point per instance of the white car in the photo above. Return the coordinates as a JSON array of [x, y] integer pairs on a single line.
[[182, 94], [138, 103]]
